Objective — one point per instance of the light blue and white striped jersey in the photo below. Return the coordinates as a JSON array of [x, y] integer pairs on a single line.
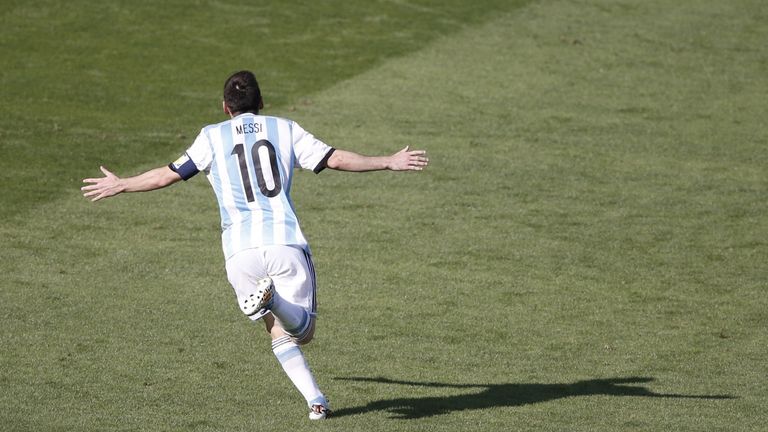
[[249, 161]]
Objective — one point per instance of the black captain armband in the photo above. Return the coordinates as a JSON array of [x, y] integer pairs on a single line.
[[184, 167], [324, 162]]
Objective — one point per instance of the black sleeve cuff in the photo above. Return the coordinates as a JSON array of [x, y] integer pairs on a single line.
[[323, 163]]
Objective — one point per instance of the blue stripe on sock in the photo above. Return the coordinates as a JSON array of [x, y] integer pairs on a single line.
[[288, 354]]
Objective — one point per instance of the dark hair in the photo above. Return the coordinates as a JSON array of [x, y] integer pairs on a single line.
[[241, 93]]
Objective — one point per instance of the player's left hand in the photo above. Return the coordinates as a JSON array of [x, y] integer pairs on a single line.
[[102, 187], [407, 159]]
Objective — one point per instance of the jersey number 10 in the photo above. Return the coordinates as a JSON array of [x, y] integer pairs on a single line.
[[267, 172]]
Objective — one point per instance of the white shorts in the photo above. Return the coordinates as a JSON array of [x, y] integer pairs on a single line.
[[290, 268]]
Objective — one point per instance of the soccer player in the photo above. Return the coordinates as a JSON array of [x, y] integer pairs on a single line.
[[249, 161]]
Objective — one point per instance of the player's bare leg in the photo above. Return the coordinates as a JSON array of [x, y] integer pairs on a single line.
[[289, 355]]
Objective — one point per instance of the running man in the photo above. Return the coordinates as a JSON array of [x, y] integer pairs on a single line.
[[249, 161]]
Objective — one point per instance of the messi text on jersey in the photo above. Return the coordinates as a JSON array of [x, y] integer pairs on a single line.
[[249, 128]]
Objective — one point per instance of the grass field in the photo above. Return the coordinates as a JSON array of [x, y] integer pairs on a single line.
[[586, 252]]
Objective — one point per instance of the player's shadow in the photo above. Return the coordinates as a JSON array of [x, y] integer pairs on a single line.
[[502, 395]]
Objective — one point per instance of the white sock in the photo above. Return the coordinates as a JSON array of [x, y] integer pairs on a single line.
[[295, 366], [294, 318]]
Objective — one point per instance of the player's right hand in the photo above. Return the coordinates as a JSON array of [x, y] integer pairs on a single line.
[[102, 187]]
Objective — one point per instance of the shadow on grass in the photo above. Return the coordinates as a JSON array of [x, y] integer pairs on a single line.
[[502, 395]]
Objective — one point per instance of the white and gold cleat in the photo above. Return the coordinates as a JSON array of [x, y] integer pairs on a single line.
[[257, 303], [319, 411]]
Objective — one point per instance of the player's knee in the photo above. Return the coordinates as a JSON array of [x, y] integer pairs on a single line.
[[307, 335]]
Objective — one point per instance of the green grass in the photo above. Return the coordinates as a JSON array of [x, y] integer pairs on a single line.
[[586, 251]]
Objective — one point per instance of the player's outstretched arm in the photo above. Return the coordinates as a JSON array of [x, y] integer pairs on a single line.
[[111, 185], [404, 160]]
